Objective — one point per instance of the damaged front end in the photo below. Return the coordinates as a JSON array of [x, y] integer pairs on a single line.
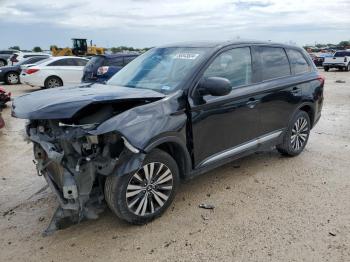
[[83, 134], [75, 164]]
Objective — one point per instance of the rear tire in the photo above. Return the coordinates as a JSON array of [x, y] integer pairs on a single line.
[[140, 197], [52, 82], [12, 78], [326, 68], [296, 136]]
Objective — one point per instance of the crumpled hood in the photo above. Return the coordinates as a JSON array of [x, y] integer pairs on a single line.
[[64, 102]]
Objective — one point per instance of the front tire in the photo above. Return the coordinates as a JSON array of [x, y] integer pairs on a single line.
[[12, 78], [140, 197], [52, 82], [296, 135], [326, 68]]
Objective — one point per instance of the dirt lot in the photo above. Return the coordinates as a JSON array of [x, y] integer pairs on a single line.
[[267, 207]]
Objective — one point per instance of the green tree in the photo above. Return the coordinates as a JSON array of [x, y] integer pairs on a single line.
[[37, 49], [15, 47], [344, 44], [115, 50]]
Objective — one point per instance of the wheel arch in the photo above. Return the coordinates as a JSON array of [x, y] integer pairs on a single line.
[[309, 109], [4, 60], [175, 147]]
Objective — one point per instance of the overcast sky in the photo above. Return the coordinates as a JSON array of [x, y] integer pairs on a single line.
[[144, 23]]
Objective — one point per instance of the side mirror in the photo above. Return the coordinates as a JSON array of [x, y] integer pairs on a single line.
[[215, 86]]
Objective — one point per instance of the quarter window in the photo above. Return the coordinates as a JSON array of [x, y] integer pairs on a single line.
[[235, 65], [80, 62], [274, 63], [297, 61]]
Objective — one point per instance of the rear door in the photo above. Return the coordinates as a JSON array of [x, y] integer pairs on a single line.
[[279, 93]]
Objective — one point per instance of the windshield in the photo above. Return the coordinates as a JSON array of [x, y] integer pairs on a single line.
[[159, 69]]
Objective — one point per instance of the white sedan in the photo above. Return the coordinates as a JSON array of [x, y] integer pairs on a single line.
[[55, 71]]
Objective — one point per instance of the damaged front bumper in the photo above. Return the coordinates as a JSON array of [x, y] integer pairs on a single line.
[[75, 163]]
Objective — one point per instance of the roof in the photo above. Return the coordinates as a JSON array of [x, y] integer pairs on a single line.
[[220, 44]]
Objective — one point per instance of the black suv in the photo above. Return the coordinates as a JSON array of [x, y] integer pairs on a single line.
[[100, 68], [173, 113]]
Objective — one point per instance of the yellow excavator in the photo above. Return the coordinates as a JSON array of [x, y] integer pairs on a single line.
[[80, 48]]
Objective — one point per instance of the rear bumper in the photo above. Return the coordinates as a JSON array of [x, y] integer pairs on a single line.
[[30, 80], [334, 65]]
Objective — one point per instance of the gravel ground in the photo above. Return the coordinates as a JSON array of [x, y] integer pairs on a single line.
[[267, 207]]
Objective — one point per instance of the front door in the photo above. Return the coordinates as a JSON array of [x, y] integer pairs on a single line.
[[221, 124]]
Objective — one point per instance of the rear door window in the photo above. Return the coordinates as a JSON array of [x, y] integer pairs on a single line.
[[274, 62], [234, 64], [63, 62], [297, 61], [80, 62]]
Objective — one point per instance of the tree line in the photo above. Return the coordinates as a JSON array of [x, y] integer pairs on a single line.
[[112, 49], [341, 45]]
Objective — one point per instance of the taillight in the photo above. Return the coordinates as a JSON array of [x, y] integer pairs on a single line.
[[345, 59], [31, 71], [321, 78], [102, 70]]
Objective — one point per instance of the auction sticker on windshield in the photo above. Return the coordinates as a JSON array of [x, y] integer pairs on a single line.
[[190, 56]]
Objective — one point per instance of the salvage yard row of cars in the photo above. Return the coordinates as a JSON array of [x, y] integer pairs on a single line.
[[171, 114], [42, 70]]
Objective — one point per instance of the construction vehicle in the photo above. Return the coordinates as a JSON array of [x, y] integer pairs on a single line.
[[80, 48]]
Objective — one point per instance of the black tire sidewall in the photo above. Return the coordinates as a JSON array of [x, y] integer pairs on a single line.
[[8, 82], [117, 186], [286, 147], [52, 77]]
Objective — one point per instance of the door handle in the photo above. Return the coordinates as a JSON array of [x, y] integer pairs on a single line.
[[252, 102]]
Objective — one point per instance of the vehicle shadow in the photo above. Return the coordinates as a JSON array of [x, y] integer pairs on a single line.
[[193, 192]]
